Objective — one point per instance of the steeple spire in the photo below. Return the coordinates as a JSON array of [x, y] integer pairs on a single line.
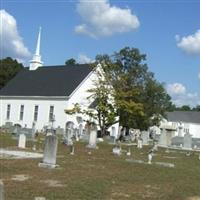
[[36, 61], [37, 51]]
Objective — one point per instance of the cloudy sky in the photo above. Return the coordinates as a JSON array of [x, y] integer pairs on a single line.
[[167, 31]]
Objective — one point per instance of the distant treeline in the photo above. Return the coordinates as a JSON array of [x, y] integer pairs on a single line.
[[8, 69], [185, 108]]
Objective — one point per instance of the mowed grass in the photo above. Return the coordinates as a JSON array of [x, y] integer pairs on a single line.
[[98, 174]]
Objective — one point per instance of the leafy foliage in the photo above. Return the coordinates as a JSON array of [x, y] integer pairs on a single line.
[[102, 109], [127, 89], [8, 69], [70, 61], [139, 98], [186, 108]]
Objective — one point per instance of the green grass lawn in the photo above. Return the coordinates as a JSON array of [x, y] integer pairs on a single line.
[[101, 175]]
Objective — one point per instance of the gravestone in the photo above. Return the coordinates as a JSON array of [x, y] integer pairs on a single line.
[[92, 136], [76, 134], [150, 156], [2, 197], [40, 198], [113, 132], [163, 138], [16, 130], [119, 132], [79, 127], [59, 131], [50, 151], [69, 132], [180, 130], [128, 153], [177, 141], [145, 137], [139, 143], [187, 141], [22, 141], [8, 124], [116, 151], [170, 135], [80, 130], [33, 130], [72, 150], [132, 135], [8, 127], [28, 132]]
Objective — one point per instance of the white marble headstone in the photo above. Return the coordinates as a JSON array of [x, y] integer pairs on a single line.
[[145, 137], [163, 138], [22, 141], [93, 136]]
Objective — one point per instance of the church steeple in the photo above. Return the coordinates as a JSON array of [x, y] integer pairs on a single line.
[[36, 61]]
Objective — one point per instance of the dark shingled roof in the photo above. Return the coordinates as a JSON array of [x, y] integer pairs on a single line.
[[184, 116], [46, 81]]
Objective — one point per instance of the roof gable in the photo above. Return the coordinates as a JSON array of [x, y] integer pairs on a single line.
[[47, 81]]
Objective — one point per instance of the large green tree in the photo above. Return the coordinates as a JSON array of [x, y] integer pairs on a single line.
[[139, 98], [128, 90], [8, 69]]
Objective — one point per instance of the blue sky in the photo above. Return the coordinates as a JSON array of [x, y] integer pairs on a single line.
[[167, 31]]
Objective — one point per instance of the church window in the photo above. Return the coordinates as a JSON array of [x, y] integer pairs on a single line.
[[51, 111], [21, 112], [36, 113], [8, 112]]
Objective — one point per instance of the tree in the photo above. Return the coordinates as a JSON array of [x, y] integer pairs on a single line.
[[155, 102], [139, 98], [183, 108], [8, 69], [70, 61], [102, 110], [135, 96], [197, 108]]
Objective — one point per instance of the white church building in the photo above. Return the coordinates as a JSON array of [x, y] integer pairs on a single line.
[[39, 93]]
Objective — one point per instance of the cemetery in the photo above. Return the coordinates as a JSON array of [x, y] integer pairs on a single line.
[[78, 131], [68, 165]]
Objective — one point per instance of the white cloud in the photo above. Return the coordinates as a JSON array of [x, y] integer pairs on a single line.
[[11, 42], [190, 44], [199, 76], [180, 96], [83, 59], [176, 88], [102, 19]]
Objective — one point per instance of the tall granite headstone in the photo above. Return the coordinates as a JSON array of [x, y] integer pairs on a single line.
[[187, 141], [92, 136], [50, 151]]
